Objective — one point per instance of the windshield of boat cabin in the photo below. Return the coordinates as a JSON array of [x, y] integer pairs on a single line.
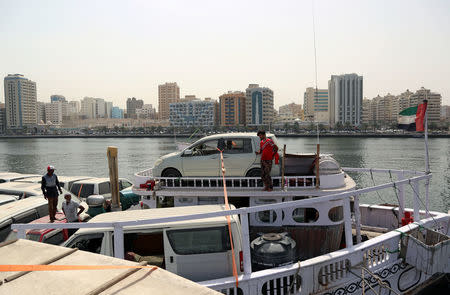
[[86, 190]]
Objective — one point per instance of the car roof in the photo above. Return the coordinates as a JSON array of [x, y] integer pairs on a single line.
[[16, 186], [137, 215], [95, 180], [16, 176], [38, 179], [11, 209], [233, 135]]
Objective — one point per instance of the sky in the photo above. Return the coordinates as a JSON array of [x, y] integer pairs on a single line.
[[120, 49]]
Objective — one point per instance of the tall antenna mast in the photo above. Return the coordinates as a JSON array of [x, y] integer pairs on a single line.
[[314, 37]]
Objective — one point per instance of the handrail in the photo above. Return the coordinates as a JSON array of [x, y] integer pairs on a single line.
[[333, 197], [380, 170]]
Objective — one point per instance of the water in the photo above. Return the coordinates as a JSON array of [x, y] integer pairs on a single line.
[[87, 156]]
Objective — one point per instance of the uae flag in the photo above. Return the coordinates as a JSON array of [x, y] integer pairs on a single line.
[[412, 119]]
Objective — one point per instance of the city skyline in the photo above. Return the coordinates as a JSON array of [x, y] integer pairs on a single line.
[[91, 53]]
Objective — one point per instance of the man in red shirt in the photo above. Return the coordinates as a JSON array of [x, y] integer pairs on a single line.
[[267, 149]]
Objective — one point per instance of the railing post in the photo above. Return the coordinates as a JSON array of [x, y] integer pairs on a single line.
[[21, 233], [348, 223], [357, 219], [118, 241], [416, 200], [401, 197], [246, 244]]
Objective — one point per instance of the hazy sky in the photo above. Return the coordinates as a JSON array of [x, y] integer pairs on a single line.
[[118, 49]]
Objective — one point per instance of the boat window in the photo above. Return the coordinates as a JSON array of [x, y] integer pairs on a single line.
[[104, 188], [336, 214], [199, 241], [268, 216], [56, 239], [205, 148], [86, 189], [305, 215], [91, 242], [238, 146]]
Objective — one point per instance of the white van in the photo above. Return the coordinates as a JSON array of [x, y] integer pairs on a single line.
[[21, 211], [195, 249]]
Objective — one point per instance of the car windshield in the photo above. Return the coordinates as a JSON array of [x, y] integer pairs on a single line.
[[34, 237], [83, 190]]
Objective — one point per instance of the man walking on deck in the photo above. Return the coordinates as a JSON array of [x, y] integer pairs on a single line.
[[267, 149], [50, 186]]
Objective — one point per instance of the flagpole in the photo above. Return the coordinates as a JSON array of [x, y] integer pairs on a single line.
[[427, 161]]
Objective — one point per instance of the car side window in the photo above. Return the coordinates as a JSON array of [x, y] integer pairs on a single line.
[[56, 239], [90, 242], [238, 146], [205, 148], [104, 188]]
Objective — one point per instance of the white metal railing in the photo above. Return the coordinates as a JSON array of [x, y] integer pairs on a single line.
[[232, 182], [287, 274]]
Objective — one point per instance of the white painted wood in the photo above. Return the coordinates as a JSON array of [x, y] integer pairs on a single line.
[[357, 219], [348, 223], [118, 241], [246, 244]]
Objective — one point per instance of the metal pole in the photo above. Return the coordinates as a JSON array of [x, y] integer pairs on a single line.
[[427, 160], [416, 200], [283, 161]]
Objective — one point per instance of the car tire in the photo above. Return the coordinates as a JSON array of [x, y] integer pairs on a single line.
[[171, 172], [255, 172]]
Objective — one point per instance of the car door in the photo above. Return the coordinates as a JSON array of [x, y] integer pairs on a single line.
[[238, 156], [198, 254], [203, 161]]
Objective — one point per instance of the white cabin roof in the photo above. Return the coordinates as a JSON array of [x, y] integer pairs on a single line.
[[138, 215]]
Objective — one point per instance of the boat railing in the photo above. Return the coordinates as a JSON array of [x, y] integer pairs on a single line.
[[330, 267], [203, 182], [379, 255]]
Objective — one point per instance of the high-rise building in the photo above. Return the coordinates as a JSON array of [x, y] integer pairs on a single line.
[[73, 108], [116, 113], [20, 102], [93, 108], [132, 105], [434, 103], [57, 97], [146, 112], [2, 118], [53, 113], [290, 111], [232, 108], [258, 105], [195, 113], [40, 112], [445, 113], [108, 109], [315, 104], [345, 96], [167, 93]]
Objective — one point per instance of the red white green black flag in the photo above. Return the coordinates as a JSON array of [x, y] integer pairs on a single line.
[[412, 119]]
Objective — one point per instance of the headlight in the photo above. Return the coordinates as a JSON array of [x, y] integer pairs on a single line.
[[158, 162]]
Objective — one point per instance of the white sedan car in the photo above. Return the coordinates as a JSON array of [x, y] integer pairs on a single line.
[[202, 158]]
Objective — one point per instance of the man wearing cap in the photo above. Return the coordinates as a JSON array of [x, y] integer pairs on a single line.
[[50, 186], [268, 151]]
